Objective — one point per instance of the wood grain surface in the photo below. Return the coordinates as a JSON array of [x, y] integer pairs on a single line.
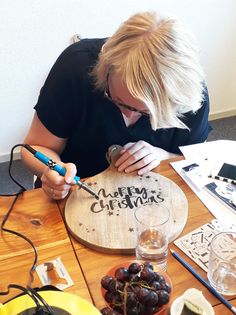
[[95, 264], [38, 218], [108, 224]]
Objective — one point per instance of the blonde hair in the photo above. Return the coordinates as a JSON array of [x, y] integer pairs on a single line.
[[158, 62]]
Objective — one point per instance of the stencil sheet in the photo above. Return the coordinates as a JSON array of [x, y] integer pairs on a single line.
[[196, 243]]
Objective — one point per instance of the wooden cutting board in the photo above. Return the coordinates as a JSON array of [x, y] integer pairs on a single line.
[[107, 224]]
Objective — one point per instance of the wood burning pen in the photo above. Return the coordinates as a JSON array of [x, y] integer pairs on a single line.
[[58, 168]]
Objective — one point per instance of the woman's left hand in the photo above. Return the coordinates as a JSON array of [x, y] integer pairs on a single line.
[[141, 157]]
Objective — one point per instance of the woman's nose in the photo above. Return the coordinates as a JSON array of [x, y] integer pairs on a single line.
[[130, 114]]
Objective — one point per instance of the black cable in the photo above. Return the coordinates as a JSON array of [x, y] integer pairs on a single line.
[[26, 291], [47, 306], [2, 228], [10, 165], [9, 195], [31, 292], [34, 294], [10, 172], [9, 211]]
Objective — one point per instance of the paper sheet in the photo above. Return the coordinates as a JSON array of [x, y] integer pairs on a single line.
[[196, 243], [199, 159], [219, 150], [219, 211]]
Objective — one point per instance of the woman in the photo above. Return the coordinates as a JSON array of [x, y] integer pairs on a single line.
[[142, 88]]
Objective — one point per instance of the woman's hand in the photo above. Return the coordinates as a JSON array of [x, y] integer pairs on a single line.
[[141, 157], [57, 186]]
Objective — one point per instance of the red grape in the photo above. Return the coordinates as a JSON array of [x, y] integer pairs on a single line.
[[136, 290]]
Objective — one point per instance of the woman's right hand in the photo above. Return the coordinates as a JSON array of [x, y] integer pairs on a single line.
[[56, 186]]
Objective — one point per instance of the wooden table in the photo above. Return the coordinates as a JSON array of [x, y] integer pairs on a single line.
[[41, 219], [38, 218]]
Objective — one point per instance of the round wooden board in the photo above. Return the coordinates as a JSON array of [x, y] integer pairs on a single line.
[[107, 224]]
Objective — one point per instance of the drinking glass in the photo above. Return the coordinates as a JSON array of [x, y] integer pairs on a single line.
[[222, 263], [152, 229]]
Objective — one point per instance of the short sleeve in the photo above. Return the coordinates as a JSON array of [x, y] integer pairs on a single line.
[[61, 101]]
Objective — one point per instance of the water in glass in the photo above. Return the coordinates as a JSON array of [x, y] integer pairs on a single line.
[[152, 245]]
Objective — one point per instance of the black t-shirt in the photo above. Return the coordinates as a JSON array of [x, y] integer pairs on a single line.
[[70, 107]]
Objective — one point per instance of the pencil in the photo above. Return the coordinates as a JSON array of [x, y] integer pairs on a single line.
[[204, 282]]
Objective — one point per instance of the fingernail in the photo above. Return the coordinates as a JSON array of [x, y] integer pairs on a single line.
[[68, 180]]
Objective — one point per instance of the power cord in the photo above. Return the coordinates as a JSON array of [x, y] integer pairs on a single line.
[[25, 290], [34, 296], [10, 173], [28, 290], [10, 166], [2, 228]]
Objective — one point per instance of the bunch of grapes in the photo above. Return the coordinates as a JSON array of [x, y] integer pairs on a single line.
[[136, 290]]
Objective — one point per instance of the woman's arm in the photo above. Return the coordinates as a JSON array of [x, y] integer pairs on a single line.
[[41, 139]]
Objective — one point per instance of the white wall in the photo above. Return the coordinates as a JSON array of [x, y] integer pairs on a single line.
[[34, 32]]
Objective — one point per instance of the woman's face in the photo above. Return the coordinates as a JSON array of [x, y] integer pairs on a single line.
[[130, 107]]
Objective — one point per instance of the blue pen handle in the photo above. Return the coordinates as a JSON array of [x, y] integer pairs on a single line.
[[52, 165], [58, 168]]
